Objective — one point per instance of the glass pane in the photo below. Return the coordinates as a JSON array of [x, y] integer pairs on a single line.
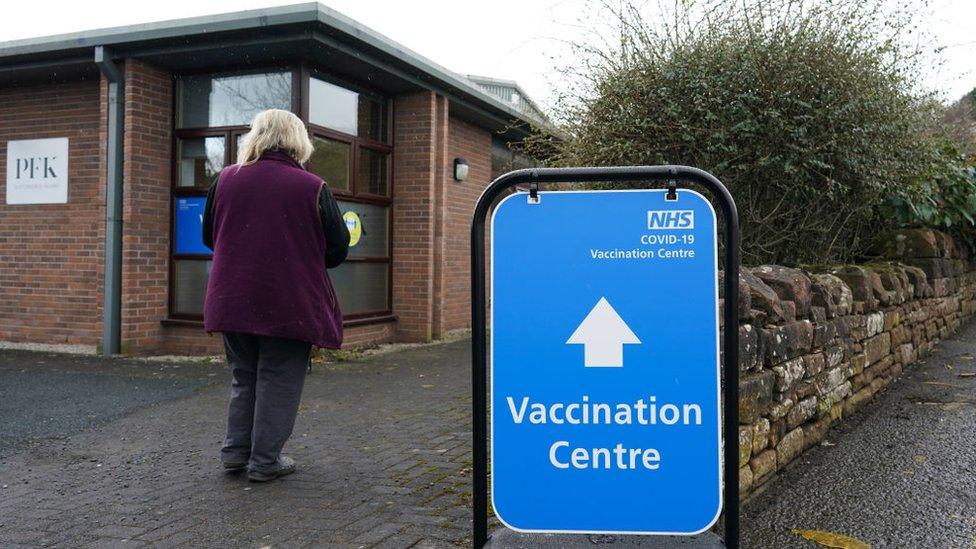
[[200, 160], [369, 228], [231, 100], [191, 285], [374, 172], [330, 161], [332, 106], [373, 119], [238, 141], [362, 287]]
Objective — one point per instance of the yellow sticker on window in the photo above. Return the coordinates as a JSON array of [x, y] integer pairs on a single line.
[[355, 226]]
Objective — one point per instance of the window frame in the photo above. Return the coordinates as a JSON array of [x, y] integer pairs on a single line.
[[353, 194], [301, 74]]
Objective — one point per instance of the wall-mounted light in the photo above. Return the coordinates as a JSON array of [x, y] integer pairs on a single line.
[[460, 169]]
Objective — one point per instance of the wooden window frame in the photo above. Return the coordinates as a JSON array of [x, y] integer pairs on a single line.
[[301, 75]]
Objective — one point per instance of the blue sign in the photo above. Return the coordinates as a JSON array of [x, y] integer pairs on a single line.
[[189, 225], [605, 412]]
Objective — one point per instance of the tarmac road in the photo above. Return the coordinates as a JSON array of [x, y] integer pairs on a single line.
[[50, 396]]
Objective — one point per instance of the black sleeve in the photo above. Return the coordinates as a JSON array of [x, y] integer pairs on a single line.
[[208, 215], [336, 233]]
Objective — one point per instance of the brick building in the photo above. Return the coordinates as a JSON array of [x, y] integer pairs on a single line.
[[145, 116]]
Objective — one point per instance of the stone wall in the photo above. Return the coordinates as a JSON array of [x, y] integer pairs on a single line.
[[817, 343]]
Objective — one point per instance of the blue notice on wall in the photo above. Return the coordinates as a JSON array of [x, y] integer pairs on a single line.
[[605, 412], [189, 225]]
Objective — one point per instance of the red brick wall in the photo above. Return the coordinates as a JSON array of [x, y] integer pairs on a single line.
[[51, 284], [414, 160], [51, 254], [474, 145], [146, 209]]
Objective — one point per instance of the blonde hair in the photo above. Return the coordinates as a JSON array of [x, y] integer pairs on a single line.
[[275, 129]]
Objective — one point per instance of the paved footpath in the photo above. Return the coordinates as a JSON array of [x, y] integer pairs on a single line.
[[383, 449], [121, 453]]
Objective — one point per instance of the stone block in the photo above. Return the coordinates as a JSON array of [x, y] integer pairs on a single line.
[[834, 355], [745, 444], [789, 284], [787, 374], [789, 447], [892, 319], [777, 429], [877, 347], [859, 326], [893, 283], [745, 296], [857, 400], [804, 388], [780, 408], [831, 293], [763, 298], [760, 435], [814, 363], [814, 432], [763, 464], [861, 283], [745, 479], [918, 280], [932, 267], [906, 354], [911, 243], [788, 341], [836, 412], [830, 379], [755, 395], [842, 327], [803, 411], [874, 324], [749, 356]]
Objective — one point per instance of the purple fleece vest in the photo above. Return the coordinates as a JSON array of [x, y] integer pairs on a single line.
[[269, 276]]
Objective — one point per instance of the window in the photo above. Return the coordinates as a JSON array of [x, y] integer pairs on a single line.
[[208, 101], [332, 107], [200, 160], [350, 130], [213, 112], [331, 161]]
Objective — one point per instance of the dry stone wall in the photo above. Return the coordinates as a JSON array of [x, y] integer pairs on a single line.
[[817, 343]]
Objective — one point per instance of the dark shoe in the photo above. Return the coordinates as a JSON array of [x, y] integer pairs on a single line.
[[285, 466], [233, 466]]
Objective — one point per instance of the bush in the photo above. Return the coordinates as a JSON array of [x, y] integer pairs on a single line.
[[946, 200], [808, 115]]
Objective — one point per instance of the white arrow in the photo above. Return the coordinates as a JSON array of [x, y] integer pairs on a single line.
[[603, 334]]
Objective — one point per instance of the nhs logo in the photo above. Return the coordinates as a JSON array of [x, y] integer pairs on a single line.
[[671, 219]]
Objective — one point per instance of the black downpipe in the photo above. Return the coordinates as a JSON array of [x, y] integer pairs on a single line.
[[730, 356], [112, 307]]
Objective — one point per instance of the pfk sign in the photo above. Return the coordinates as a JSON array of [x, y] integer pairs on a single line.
[[37, 171]]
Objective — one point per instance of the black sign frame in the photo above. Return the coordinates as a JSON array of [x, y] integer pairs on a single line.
[[671, 176]]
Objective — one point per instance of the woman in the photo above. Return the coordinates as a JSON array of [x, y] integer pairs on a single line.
[[274, 229]]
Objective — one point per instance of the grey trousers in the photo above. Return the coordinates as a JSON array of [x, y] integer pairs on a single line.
[[268, 374]]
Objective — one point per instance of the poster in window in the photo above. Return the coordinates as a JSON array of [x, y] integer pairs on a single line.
[[189, 225]]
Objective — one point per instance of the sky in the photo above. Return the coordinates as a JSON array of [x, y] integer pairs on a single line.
[[521, 40]]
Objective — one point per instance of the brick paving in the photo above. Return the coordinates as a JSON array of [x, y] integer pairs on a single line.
[[383, 448]]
